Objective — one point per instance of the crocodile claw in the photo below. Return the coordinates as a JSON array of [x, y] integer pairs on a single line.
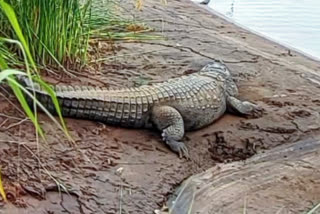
[[258, 111], [179, 147], [253, 110]]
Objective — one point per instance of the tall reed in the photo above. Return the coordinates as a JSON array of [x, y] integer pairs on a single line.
[[8, 74], [55, 30]]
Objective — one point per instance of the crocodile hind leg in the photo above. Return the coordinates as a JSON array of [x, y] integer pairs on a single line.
[[235, 105], [168, 120]]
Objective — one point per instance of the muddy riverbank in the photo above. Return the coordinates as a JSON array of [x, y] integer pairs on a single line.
[[114, 170]]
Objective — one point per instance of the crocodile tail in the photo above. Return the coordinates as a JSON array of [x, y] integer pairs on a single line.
[[86, 102], [31, 85], [40, 93], [24, 80], [77, 102]]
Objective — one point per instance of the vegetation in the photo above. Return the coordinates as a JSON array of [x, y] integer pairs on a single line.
[[314, 209], [57, 32], [2, 192], [8, 74], [52, 33]]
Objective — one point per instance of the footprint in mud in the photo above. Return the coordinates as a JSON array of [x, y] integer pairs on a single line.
[[222, 151]]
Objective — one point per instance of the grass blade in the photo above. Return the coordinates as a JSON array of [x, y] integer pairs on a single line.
[[2, 192], [55, 101], [7, 9], [8, 72], [73, 24], [3, 64], [16, 87], [28, 93], [313, 209]]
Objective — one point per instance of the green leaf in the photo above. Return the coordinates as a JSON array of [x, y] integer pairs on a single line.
[[3, 64], [55, 101], [9, 75], [16, 87], [28, 93], [7, 9], [8, 72]]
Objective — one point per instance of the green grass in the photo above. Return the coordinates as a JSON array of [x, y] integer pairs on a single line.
[[53, 30], [8, 75], [57, 32], [45, 33]]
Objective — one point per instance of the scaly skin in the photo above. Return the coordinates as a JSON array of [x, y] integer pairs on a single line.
[[185, 103]]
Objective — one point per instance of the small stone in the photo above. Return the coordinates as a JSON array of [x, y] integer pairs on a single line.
[[119, 171], [109, 161]]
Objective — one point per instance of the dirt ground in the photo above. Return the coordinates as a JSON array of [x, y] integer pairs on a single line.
[[117, 170]]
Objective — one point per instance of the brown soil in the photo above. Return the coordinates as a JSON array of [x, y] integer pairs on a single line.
[[117, 170]]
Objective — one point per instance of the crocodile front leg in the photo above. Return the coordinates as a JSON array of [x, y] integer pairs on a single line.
[[243, 107], [168, 120]]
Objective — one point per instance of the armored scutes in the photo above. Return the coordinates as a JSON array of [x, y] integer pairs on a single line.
[[185, 103]]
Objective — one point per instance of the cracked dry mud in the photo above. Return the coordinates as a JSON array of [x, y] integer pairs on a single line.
[[286, 86]]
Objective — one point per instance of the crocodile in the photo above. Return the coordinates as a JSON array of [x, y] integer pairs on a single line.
[[177, 105]]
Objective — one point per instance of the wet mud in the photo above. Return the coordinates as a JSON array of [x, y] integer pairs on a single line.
[[117, 170]]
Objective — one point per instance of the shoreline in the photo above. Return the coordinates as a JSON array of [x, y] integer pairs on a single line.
[[286, 86], [287, 46]]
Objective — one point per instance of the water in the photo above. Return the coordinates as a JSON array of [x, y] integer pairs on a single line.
[[295, 23]]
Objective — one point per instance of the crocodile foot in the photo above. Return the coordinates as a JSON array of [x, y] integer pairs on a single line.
[[252, 110], [179, 147], [244, 108], [176, 146]]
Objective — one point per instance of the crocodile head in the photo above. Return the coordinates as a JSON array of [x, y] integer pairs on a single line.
[[216, 69], [220, 72]]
